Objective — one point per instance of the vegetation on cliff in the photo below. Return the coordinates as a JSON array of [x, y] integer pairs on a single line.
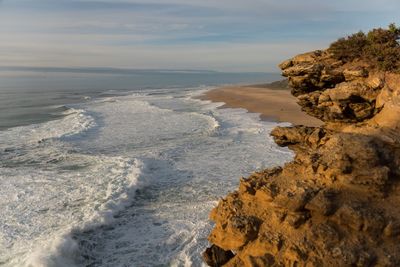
[[379, 47]]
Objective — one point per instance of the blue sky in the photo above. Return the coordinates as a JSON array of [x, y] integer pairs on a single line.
[[225, 35]]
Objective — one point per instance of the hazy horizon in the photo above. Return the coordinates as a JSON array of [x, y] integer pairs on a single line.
[[227, 36], [113, 70]]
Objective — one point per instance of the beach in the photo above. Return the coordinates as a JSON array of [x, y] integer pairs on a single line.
[[272, 104]]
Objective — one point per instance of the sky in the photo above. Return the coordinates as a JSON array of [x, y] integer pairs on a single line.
[[221, 35]]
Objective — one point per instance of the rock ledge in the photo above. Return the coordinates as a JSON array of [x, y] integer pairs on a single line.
[[338, 202]]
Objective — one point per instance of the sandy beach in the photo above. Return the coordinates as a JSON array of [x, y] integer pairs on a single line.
[[272, 104]]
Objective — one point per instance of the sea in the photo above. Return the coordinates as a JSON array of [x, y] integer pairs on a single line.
[[108, 167]]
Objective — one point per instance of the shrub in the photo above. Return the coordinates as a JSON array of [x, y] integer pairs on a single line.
[[379, 47], [347, 49]]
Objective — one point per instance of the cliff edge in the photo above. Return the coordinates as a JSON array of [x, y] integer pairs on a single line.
[[338, 202]]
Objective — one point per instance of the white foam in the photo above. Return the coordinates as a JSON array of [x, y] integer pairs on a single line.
[[88, 165], [76, 121], [52, 205], [61, 249], [186, 178], [133, 123]]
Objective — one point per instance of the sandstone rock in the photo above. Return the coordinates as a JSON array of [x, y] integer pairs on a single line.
[[392, 229], [337, 203], [296, 219], [236, 232], [375, 82], [261, 261], [308, 73], [307, 68], [323, 203], [216, 256], [309, 57], [294, 199], [286, 64], [352, 74]]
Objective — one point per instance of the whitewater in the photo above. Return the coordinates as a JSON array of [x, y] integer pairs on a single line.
[[125, 180]]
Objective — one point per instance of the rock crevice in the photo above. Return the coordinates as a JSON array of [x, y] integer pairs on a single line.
[[337, 203]]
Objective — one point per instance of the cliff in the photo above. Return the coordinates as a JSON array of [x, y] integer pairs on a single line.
[[338, 202]]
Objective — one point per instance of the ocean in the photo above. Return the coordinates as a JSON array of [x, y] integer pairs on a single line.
[[102, 168]]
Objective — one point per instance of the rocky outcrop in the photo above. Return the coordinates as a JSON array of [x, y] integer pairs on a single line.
[[338, 202]]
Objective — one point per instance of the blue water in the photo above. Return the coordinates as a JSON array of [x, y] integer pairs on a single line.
[[120, 170], [36, 95]]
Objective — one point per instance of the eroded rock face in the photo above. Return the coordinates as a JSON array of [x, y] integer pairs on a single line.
[[338, 202], [215, 256], [333, 91]]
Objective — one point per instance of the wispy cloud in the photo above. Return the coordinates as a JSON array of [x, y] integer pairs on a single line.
[[223, 34]]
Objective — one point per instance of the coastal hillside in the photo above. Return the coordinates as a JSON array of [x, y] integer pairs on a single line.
[[277, 85], [337, 203]]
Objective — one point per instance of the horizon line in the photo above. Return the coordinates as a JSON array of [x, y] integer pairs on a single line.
[[115, 70]]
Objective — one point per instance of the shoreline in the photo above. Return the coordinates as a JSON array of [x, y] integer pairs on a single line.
[[272, 104]]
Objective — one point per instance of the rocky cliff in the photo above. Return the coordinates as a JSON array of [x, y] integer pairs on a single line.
[[338, 202]]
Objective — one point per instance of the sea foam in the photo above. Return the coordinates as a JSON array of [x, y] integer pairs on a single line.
[[125, 180]]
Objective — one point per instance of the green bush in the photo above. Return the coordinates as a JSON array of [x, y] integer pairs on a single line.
[[350, 48], [379, 47]]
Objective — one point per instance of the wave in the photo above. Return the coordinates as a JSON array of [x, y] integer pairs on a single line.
[[62, 249], [76, 121], [47, 183], [78, 199]]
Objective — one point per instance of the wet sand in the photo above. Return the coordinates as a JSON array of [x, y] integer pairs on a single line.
[[272, 104]]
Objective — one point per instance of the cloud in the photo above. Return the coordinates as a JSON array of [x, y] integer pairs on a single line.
[[187, 33], [236, 57]]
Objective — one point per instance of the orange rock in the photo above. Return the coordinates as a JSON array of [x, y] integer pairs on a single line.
[[338, 202]]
